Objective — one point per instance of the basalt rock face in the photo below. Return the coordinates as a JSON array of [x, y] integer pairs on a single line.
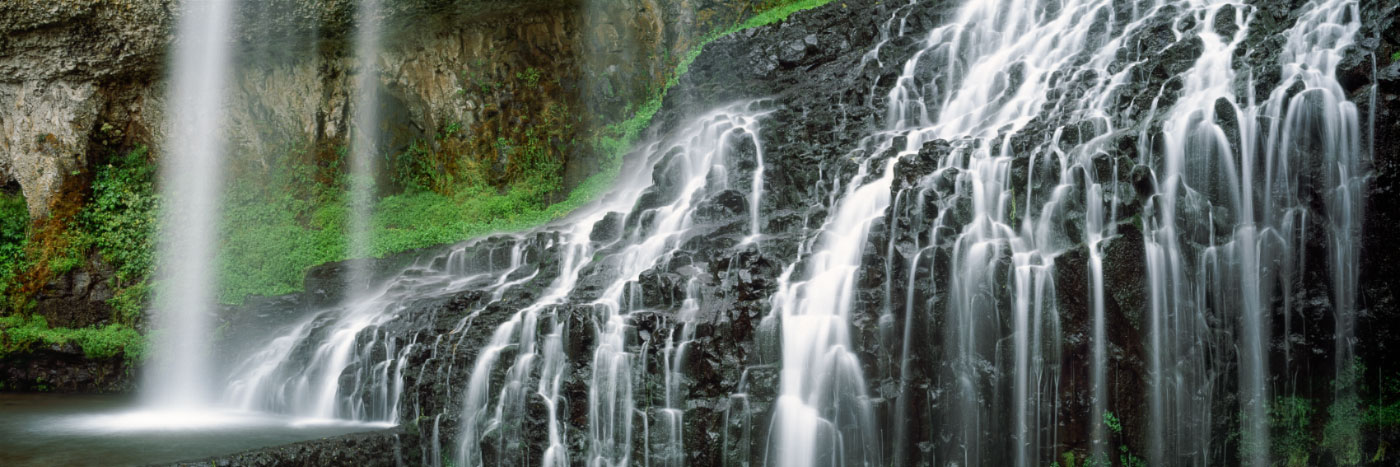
[[65, 66], [1378, 328], [823, 87], [65, 369], [368, 449]]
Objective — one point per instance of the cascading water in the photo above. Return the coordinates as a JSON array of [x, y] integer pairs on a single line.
[[1229, 221], [179, 372], [1000, 61], [286, 377], [1013, 159], [1004, 65], [689, 168]]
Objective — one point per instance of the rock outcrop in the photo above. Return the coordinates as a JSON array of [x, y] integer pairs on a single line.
[[812, 72], [822, 99], [79, 79]]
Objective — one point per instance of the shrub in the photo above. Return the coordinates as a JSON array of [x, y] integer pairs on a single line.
[[14, 236], [121, 217]]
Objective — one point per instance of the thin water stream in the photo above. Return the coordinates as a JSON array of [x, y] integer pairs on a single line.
[[996, 314]]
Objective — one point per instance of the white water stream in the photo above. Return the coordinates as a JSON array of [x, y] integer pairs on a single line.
[[179, 373], [1007, 217]]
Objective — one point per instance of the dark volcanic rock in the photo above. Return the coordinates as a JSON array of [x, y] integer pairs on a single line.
[[382, 448], [78, 298], [64, 368], [823, 95]]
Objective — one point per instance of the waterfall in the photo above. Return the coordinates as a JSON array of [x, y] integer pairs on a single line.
[[999, 63], [179, 373], [1003, 64], [283, 375], [1018, 153], [689, 169], [1230, 155], [366, 132]]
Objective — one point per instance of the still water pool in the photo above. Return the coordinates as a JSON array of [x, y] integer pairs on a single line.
[[56, 429]]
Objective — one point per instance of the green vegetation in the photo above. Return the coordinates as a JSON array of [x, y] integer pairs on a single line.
[[531, 76], [1069, 459], [1359, 413], [121, 217], [280, 223], [615, 140], [1127, 459], [14, 237], [1125, 456], [1395, 57], [1290, 417], [1385, 412], [273, 234], [1342, 434], [22, 335], [775, 11], [1111, 421], [118, 223]]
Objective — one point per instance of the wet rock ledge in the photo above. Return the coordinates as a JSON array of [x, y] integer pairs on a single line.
[[389, 447]]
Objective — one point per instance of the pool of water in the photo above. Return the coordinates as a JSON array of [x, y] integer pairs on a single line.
[[55, 429]]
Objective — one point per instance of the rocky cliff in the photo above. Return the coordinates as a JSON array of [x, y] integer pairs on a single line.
[[818, 84], [79, 79], [82, 82], [818, 93]]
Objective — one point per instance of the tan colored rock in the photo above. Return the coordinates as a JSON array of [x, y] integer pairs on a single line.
[[43, 136], [69, 68]]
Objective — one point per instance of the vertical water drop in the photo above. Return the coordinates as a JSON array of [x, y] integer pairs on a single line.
[[365, 146], [179, 372]]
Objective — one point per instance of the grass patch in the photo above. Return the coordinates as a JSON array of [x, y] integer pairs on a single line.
[[277, 224], [276, 229], [26, 334]]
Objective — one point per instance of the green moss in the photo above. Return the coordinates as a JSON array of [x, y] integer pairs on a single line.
[[128, 303], [1385, 412], [1290, 418], [531, 76], [22, 335], [1342, 435]]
